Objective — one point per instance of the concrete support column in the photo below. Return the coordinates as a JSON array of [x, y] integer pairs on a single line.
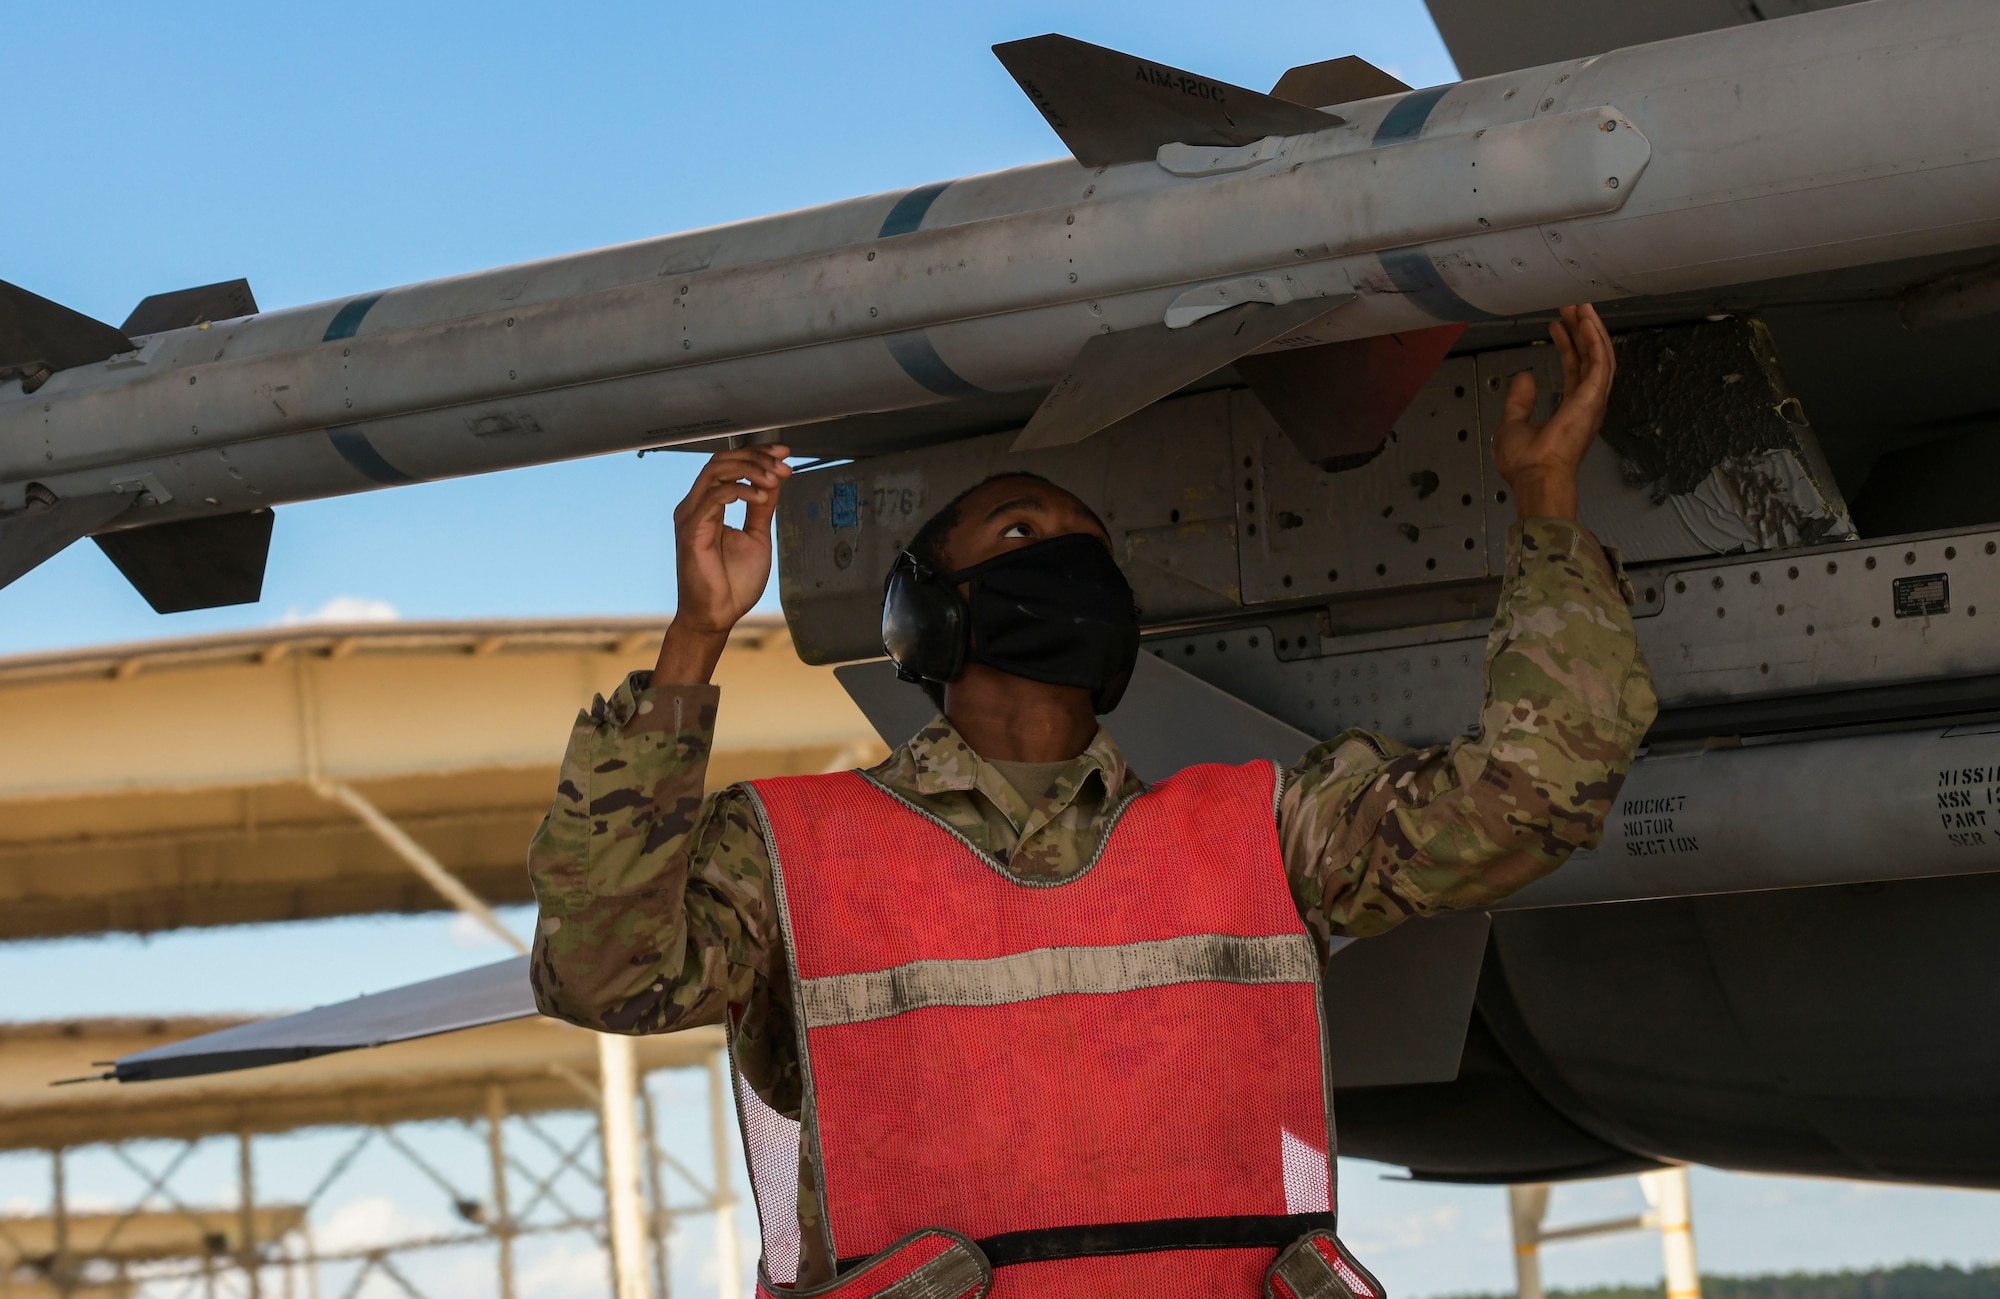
[[1527, 1206], [503, 1216], [63, 1267], [246, 1207], [625, 1211], [657, 1218], [728, 1254], [1667, 1195]]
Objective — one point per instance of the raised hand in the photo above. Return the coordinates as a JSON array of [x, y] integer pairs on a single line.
[[1538, 461], [721, 570]]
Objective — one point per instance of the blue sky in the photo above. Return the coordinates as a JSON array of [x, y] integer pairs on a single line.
[[327, 150]]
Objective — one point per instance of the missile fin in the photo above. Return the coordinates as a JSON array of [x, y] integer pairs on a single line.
[[1335, 81], [31, 535], [39, 337], [1338, 401], [194, 563], [185, 308], [1110, 107], [1119, 374]]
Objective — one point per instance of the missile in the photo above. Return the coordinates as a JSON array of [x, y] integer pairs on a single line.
[[1329, 239]]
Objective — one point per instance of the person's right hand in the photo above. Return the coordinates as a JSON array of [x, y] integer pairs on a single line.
[[721, 571]]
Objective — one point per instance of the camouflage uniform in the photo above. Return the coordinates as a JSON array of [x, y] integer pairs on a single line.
[[656, 905]]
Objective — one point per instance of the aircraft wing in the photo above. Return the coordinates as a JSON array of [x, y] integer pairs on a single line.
[[1406, 1000], [1489, 36], [489, 994]]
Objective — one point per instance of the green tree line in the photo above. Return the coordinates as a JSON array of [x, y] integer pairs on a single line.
[[1909, 1281]]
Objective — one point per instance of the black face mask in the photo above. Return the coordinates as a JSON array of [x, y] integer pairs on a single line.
[[1057, 611]]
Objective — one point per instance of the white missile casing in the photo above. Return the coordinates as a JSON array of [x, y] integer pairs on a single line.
[[1840, 138], [1848, 810]]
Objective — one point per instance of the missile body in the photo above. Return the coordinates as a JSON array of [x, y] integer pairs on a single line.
[[1850, 810], [1834, 139]]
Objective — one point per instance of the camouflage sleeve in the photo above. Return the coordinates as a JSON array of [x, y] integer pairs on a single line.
[[1374, 832], [655, 901]]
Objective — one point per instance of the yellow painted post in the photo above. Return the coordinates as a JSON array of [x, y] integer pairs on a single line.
[[1527, 1205], [1667, 1194]]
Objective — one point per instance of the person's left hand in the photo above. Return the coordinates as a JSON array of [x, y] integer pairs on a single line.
[[1539, 461]]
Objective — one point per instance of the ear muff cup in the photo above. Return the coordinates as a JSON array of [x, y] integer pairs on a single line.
[[927, 630], [924, 623]]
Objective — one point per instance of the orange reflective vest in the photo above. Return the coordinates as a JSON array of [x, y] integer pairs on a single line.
[[1109, 1084]]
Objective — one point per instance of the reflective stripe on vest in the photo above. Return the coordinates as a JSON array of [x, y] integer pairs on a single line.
[[1110, 1077]]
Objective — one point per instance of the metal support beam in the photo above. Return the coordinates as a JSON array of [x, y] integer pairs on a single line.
[[420, 860], [496, 1151], [61, 1266], [728, 1256], [246, 1192], [618, 1082], [659, 1219]]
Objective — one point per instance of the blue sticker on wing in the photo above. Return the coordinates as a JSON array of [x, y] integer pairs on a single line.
[[845, 509]]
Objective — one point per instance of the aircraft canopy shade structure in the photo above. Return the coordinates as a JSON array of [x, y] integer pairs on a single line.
[[210, 809]]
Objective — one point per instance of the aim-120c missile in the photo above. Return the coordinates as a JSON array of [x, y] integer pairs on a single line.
[[1196, 224]]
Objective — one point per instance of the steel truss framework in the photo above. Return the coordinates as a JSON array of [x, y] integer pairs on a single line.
[[543, 1177]]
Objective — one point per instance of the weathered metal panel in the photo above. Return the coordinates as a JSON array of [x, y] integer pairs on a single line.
[[1846, 617], [1410, 516]]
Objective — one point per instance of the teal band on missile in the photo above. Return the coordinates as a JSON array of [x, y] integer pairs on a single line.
[[1405, 121], [348, 319], [1413, 273], [920, 360], [355, 448], [908, 214]]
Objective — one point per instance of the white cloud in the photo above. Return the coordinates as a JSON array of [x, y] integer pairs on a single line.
[[370, 1220], [1419, 1229], [343, 608], [562, 1271]]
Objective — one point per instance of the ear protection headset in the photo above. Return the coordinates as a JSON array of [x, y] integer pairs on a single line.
[[925, 625]]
